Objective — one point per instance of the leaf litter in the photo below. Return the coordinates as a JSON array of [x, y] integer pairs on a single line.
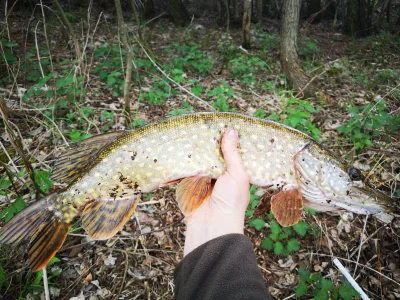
[[140, 260]]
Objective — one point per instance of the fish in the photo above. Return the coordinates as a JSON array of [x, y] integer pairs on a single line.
[[105, 176]]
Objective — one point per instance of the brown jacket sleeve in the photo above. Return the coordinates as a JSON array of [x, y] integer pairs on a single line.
[[223, 268]]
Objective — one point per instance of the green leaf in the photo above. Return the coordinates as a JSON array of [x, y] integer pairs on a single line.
[[197, 89], [257, 223], [268, 244], [249, 212], [293, 245], [15, 207], [304, 274], [5, 183], [301, 289], [315, 277], [310, 210], [275, 229], [64, 81], [347, 292], [301, 228], [54, 260], [260, 113], [321, 294], [75, 135], [327, 285], [38, 277], [8, 44], [278, 248], [230, 92], [42, 178]]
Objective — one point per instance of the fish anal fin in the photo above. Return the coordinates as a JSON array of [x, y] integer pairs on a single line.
[[75, 160], [102, 219], [192, 192], [287, 207]]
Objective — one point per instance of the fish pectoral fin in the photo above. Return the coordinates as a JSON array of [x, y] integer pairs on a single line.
[[287, 207], [102, 219], [170, 182], [192, 192], [79, 156]]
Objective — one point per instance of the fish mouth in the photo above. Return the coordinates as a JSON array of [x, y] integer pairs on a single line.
[[370, 195]]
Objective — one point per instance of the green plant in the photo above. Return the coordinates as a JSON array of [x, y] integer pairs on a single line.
[[282, 240], [222, 94], [247, 68], [368, 122], [268, 41], [14, 208], [137, 122], [321, 288], [159, 92], [298, 113], [189, 57], [386, 76], [180, 111], [309, 48]]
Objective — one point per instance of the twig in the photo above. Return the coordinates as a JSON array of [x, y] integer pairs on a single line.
[[124, 278], [366, 240], [350, 279], [46, 284], [9, 157], [361, 244]]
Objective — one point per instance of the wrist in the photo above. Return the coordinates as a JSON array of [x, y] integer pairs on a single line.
[[200, 231]]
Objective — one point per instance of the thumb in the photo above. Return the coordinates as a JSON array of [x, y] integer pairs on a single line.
[[232, 156]]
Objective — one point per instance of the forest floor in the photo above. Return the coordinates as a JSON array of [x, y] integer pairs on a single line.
[[360, 76]]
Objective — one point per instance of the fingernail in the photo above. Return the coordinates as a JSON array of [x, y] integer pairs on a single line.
[[232, 133]]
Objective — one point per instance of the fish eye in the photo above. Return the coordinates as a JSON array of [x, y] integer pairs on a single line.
[[354, 173]]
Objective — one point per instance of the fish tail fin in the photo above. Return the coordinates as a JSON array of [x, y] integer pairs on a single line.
[[38, 224]]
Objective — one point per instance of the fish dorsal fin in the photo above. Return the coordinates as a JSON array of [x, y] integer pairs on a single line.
[[75, 160], [192, 191], [102, 219], [287, 207]]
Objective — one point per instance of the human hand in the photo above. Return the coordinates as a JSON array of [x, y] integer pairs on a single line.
[[224, 211]]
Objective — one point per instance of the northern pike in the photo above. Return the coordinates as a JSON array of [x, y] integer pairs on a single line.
[[106, 175]]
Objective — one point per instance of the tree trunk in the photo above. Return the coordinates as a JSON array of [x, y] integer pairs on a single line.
[[314, 6], [148, 7], [384, 10], [295, 75], [388, 12], [178, 12], [246, 24], [260, 5], [358, 19], [235, 10], [228, 15]]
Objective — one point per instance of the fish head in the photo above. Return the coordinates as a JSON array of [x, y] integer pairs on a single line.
[[326, 180]]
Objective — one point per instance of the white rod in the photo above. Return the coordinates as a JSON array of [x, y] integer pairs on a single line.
[[46, 284], [350, 279]]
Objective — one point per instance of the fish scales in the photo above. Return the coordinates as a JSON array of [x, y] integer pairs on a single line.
[[188, 146], [107, 174]]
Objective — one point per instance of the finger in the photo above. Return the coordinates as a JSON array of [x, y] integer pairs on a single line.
[[231, 152]]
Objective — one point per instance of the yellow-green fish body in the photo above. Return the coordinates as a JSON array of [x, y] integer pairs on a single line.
[[107, 173]]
